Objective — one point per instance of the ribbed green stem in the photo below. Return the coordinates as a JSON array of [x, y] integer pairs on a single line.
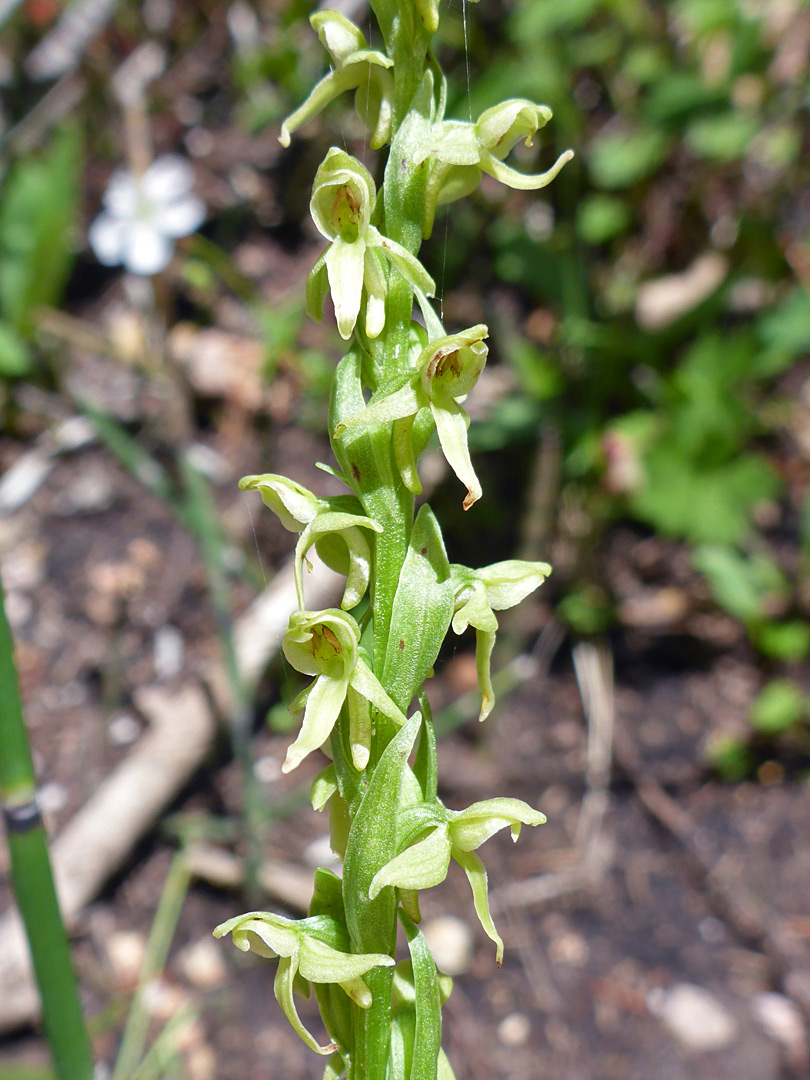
[[32, 880], [404, 198]]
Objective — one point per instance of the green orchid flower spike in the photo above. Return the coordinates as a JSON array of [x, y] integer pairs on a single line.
[[460, 152], [303, 954], [447, 369], [401, 378], [356, 67], [332, 524], [343, 200], [453, 834], [478, 595], [327, 644]]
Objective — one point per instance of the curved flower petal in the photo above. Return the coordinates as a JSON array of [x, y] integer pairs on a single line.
[[107, 237], [283, 989], [420, 866], [321, 713], [181, 217], [320, 963], [344, 265], [498, 129], [167, 178], [477, 877], [470, 828], [365, 682], [292, 503], [408, 265], [122, 195], [338, 35], [147, 250], [484, 644], [262, 932], [520, 181], [451, 425]]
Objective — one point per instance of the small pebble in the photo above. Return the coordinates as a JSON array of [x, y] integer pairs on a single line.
[[515, 1029], [52, 798], [169, 652], [712, 930], [694, 1016], [125, 951], [319, 853], [203, 965], [123, 730], [267, 769], [782, 1021], [451, 942]]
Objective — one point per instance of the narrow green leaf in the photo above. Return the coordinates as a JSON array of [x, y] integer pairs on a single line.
[[422, 610], [425, 766], [428, 1032]]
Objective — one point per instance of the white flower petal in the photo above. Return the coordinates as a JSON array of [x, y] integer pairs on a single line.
[[147, 250], [107, 238], [121, 197], [168, 178], [181, 217]]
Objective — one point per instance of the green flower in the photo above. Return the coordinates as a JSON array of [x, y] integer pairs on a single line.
[[461, 151], [343, 198], [447, 369], [433, 835], [356, 67], [327, 644], [332, 524], [304, 957], [478, 595]]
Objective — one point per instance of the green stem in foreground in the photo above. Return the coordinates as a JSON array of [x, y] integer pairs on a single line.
[[32, 880]]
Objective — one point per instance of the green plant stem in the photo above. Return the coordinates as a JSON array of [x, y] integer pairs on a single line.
[[32, 880], [157, 950]]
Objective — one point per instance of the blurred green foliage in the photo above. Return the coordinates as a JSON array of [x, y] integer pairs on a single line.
[[38, 204]]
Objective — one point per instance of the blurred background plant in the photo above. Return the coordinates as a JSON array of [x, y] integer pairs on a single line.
[[652, 310]]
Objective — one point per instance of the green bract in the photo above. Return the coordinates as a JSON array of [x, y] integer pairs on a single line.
[[399, 380], [301, 951], [327, 644], [343, 199]]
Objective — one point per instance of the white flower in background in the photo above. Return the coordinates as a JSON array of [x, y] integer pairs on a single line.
[[144, 215]]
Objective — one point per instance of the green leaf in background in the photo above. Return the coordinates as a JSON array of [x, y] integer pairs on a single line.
[[37, 213], [618, 159], [15, 356], [731, 757], [787, 641], [602, 217], [785, 329], [742, 584], [704, 505], [724, 137], [779, 706]]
